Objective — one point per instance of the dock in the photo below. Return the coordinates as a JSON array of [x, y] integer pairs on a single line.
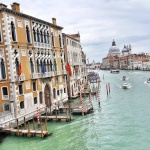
[[57, 118], [26, 132], [78, 111]]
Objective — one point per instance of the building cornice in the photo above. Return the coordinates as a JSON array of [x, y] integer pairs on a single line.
[[29, 17]]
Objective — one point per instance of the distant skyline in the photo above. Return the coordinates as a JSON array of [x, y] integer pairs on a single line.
[[98, 22]]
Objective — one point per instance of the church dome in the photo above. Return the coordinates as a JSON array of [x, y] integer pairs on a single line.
[[114, 50], [125, 49]]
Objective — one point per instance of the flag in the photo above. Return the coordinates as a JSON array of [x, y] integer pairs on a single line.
[[68, 68], [19, 70], [43, 68]]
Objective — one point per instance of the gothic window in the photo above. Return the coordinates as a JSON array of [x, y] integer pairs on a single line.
[[0, 36], [60, 41], [51, 65], [57, 92], [38, 36], [64, 90], [45, 65], [34, 34], [28, 34], [45, 37], [2, 69], [48, 66], [55, 65], [38, 66], [62, 65], [41, 97], [52, 39], [41, 36], [13, 32], [17, 65], [54, 93], [31, 65]]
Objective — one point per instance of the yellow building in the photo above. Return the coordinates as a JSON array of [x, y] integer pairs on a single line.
[[32, 68]]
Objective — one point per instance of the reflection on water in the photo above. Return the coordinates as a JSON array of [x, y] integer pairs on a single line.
[[122, 122]]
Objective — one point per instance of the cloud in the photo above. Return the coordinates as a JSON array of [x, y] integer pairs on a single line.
[[98, 21]]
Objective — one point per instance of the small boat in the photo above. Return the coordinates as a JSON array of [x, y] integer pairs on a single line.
[[114, 71], [125, 86], [124, 78], [148, 80]]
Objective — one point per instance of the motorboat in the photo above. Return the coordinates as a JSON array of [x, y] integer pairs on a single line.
[[125, 86], [115, 71], [148, 80], [124, 78]]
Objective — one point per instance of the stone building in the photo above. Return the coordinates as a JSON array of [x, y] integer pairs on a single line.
[[32, 68], [76, 58]]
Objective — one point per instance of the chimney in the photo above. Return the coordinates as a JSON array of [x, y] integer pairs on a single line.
[[15, 6], [54, 21], [3, 6]]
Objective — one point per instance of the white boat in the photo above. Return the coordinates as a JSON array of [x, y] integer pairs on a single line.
[[124, 78], [114, 71], [125, 86], [148, 80]]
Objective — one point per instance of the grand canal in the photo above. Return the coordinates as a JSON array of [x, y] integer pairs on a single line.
[[122, 122]]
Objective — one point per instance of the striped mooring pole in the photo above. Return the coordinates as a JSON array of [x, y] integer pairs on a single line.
[[90, 98], [98, 96], [82, 104], [38, 116]]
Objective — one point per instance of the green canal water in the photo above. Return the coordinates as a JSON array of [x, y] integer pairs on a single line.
[[122, 122]]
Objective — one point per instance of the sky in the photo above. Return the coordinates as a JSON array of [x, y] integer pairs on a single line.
[[97, 21]]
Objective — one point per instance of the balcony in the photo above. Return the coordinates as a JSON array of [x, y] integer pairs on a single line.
[[36, 75], [64, 72], [20, 78]]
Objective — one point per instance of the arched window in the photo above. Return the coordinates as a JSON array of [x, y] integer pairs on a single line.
[[41, 36], [34, 35], [45, 65], [31, 65], [54, 93], [38, 36], [0, 37], [48, 66], [28, 34], [41, 97], [51, 65], [13, 32], [45, 37], [55, 65], [17, 65], [38, 66], [60, 40], [52, 39], [2, 67], [62, 65]]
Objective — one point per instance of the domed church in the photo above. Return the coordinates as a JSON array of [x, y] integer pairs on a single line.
[[126, 50], [114, 50]]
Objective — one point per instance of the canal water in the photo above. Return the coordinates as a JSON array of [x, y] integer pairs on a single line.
[[122, 122]]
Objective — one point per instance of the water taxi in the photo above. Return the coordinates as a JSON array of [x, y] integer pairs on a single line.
[[148, 80], [125, 86], [114, 71], [124, 78]]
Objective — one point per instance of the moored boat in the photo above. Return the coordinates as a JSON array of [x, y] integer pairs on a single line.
[[124, 78], [125, 86], [115, 71], [148, 80]]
